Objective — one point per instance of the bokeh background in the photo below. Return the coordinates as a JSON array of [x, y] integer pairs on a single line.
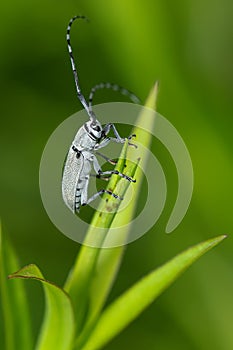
[[188, 46]]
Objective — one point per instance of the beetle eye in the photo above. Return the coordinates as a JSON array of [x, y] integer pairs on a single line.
[[95, 127]]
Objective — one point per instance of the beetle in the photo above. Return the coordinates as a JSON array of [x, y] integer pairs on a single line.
[[91, 137]]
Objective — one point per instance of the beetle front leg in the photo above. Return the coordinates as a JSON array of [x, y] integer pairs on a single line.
[[107, 129], [117, 138]]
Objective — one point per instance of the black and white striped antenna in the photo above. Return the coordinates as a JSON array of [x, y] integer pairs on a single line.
[[76, 80], [114, 87]]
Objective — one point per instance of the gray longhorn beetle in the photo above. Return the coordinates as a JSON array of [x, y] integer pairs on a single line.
[[87, 141]]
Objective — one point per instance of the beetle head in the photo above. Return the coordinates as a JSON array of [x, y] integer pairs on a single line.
[[94, 128]]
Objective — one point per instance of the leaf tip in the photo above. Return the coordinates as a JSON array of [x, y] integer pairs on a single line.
[[213, 242], [222, 237], [152, 98]]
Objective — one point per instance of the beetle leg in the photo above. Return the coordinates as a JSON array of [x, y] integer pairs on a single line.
[[117, 137], [111, 161], [116, 172], [92, 198], [100, 177]]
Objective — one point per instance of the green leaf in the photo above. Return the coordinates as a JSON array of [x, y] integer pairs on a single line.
[[95, 269], [58, 326], [128, 306], [18, 333]]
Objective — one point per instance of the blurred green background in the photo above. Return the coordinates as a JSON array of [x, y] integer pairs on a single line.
[[188, 46]]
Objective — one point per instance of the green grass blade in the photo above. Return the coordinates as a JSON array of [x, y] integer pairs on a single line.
[[95, 269], [18, 333], [128, 306], [58, 326], [108, 261]]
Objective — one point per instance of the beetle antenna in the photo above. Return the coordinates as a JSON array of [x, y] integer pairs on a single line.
[[76, 80]]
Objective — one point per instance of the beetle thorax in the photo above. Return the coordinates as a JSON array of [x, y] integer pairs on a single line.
[[88, 136]]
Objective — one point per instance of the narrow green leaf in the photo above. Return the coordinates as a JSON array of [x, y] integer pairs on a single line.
[[128, 306], [108, 261], [18, 333], [58, 326], [95, 270]]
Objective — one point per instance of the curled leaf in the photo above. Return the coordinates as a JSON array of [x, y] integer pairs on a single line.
[[58, 326]]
